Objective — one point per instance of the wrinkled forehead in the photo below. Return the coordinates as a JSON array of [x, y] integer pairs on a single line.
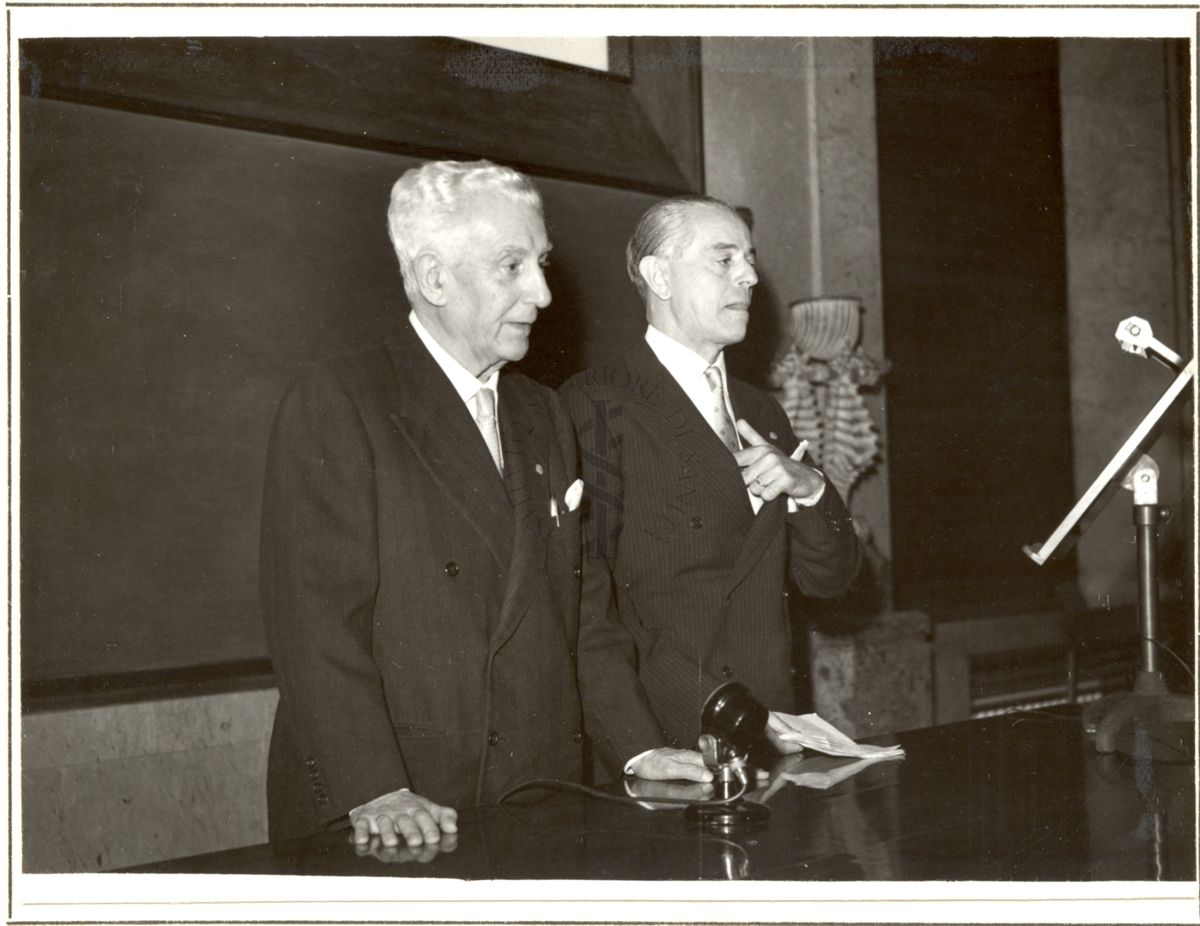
[[495, 219]]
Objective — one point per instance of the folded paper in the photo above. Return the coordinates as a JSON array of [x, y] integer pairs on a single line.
[[811, 732]]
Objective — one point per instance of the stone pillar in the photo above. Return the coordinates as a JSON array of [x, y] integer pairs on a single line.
[[789, 131], [878, 680], [845, 220], [756, 156]]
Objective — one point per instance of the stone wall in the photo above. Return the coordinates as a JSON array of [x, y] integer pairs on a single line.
[[107, 787]]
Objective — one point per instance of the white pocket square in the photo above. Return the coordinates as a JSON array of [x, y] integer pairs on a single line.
[[574, 495]]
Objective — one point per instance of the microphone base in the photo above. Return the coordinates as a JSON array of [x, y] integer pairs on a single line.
[[726, 818], [1159, 727]]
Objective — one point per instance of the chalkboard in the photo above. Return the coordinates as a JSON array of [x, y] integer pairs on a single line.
[[174, 275]]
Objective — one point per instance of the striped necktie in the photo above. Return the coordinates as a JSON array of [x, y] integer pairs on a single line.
[[485, 417], [719, 412]]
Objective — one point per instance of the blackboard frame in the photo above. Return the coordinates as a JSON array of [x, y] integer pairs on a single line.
[[637, 127]]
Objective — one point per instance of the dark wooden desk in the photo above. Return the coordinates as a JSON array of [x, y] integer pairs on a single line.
[[1023, 797]]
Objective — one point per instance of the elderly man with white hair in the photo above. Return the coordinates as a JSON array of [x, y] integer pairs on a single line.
[[420, 539]]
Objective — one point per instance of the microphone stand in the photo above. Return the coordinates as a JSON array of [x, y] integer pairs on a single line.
[[1149, 721], [730, 721]]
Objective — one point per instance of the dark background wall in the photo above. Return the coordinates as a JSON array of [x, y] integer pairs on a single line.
[[179, 264], [200, 216], [974, 284]]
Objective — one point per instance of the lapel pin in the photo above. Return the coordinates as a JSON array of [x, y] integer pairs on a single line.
[[773, 435]]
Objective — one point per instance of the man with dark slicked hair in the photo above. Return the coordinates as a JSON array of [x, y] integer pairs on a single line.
[[700, 507]]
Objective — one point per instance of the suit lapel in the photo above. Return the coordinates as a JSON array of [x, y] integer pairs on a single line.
[[681, 425], [430, 415], [716, 469], [527, 483], [770, 517]]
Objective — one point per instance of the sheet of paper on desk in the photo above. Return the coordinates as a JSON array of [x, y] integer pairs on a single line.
[[811, 732]]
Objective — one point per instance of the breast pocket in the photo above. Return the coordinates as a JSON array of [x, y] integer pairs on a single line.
[[566, 546], [566, 525]]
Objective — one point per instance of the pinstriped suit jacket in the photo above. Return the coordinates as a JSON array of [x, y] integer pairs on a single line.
[[684, 586]]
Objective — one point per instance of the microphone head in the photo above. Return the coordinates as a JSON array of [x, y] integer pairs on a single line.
[[733, 714]]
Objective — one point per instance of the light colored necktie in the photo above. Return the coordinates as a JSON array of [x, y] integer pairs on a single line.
[[485, 417], [719, 415]]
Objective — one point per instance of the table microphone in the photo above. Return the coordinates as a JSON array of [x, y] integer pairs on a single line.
[[730, 722]]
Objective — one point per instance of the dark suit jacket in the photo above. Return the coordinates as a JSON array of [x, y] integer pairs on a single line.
[[421, 611], [684, 586]]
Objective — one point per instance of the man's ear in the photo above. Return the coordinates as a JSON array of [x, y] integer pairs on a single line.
[[654, 271], [430, 276]]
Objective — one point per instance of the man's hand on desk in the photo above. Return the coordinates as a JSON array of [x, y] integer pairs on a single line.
[[668, 764], [398, 854], [402, 815]]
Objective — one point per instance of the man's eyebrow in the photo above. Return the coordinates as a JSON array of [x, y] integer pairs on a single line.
[[729, 246], [521, 249]]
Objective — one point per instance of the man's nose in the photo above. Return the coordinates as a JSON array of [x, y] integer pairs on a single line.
[[540, 291], [747, 277]]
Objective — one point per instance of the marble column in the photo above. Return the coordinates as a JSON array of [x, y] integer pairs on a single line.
[[789, 131]]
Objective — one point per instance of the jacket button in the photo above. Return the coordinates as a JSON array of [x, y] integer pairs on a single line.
[[578, 572], [577, 737], [493, 738], [451, 569], [727, 672], [697, 523], [571, 653]]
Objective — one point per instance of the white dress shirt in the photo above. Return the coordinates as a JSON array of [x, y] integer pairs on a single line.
[[465, 383], [687, 368]]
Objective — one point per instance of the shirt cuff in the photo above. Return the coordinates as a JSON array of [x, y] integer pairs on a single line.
[[794, 504], [361, 806]]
